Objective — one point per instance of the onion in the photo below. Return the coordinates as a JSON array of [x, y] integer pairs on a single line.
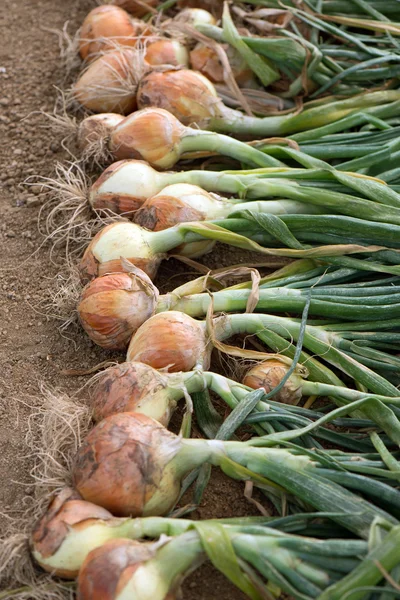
[[51, 537], [95, 129], [195, 16], [104, 28], [121, 239], [172, 341], [108, 569], [112, 307], [126, 465], [109, 83], [131, 465], [205, 60], [208, 5], [136, 9], [166, 52], [155, 135], [268, 375], [131, 387], [192, 99], [152, 135], [125, 185], [179, 203], [189, 96]]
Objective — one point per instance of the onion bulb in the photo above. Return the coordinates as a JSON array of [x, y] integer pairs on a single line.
[[172, 341], [114, 306], [111, 568], [195, 16], [109, 84], [131, 387], [125, 185], [67, 532], [188, 95], [120, 239], [166, 52], [208, 5], [269, 374], [106, 27], [126, 465], [205, 60], [179, 203]]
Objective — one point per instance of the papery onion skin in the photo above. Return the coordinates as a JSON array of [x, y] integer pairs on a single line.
[[178, 203], [206, 61], [188, 95], [105, 27], [104, 193], [95, 130], [124, 466], [172, 341], [108, 85], [108, 569], [163, 211], [66, 510], [151, 134], [124, 387], [112, 308], [166, 52], [92, 265], [195, 16], [268, 375]]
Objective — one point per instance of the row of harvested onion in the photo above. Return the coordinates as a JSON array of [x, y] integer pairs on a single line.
[[130, 470]]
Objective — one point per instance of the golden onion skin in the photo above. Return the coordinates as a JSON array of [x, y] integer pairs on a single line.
[[166, 52], [66, 510], [114, 306], [124, 388], [189, 96], [268, 375], [108, 569], [172, 341], [123, 465], [105, 27], [152, 135], [108, 84]]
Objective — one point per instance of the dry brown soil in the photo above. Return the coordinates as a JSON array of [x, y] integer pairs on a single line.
[[32, 351]]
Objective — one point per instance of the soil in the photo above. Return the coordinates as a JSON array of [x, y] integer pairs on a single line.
[[32, 349]]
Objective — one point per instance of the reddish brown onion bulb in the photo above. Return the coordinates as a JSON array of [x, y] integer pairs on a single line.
[[125, 464], [114, 306], [108, 569], [126, 388], [268, 375]]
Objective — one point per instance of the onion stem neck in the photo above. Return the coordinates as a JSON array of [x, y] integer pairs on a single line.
[[195, 140]]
